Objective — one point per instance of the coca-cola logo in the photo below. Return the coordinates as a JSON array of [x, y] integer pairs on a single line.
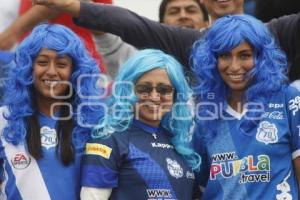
[[273, 115]]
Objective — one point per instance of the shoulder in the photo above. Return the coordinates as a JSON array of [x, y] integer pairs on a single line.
[[284, 94], [116, 144], [115, 139], [292, 99], [291, 92], [286, 25]]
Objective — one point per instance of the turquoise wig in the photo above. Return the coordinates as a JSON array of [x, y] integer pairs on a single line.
[[20, 90], [123, 99], [268, 75]]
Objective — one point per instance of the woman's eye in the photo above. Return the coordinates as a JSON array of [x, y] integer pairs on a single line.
[[62, 64], [224, 56], [246, 56], [42, 62]]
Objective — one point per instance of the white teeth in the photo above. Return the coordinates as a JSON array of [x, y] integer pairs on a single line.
[[51, 82], [236, 76], [154, 107]]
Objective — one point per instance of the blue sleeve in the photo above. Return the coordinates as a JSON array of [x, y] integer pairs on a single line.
[[102, 161], [293, 111]]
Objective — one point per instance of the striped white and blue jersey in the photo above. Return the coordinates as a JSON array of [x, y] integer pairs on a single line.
[[24, 177]]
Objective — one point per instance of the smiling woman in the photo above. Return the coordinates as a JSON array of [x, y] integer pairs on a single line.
[[234, 66], [142, 143], [155, 93], [42, 142], [51, 73], [239, 62]]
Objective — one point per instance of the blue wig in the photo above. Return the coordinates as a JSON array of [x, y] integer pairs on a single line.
[[121, 104], [19, 88], [267, 77]]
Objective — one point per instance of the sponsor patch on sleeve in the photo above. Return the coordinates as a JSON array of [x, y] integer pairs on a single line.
[[98, 149]]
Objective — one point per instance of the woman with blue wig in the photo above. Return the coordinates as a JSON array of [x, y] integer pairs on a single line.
[[50, 106], [248, 134], [141, 147]]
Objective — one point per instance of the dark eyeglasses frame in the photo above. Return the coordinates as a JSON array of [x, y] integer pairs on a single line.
[[147, 89]]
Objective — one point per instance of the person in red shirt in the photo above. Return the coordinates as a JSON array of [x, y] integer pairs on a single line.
[[33, 15]]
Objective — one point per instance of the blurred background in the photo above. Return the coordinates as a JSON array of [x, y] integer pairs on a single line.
[[148, 8]]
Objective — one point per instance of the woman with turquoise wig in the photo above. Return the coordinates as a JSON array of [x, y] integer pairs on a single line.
[[141, 147]]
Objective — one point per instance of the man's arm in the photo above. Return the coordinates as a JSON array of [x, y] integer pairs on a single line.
[[132, 28], [25, 23], [138, 31]]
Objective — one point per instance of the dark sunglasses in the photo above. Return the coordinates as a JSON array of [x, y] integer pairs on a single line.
[[147, 89]]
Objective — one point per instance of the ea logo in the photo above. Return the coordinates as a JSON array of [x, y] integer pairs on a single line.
[[20, 161]]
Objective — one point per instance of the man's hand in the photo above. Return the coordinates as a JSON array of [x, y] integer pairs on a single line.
[[70, 6], [53, 3]]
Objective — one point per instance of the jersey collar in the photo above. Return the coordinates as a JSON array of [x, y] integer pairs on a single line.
[[145, 127]]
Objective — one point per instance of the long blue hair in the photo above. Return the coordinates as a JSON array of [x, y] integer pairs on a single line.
[[267, 77], [123, 99], [20, 90]]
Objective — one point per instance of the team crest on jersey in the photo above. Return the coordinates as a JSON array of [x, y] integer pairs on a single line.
[[20, 161], [174, 168], [267, 132], [48, 137]]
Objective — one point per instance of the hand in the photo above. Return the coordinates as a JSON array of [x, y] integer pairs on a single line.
[[70, 6], [53, 3]]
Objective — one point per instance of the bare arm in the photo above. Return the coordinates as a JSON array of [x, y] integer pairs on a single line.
[[25, 23], [296, 163], [70, 6]]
